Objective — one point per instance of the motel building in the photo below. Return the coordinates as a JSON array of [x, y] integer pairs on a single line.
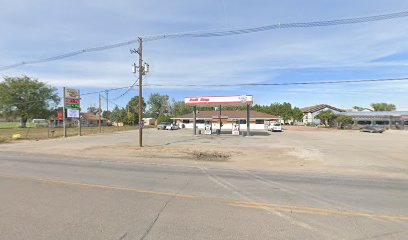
[[220, 120], [397, 120]]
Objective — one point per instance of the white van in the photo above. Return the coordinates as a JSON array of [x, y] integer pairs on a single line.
[[275, 127]]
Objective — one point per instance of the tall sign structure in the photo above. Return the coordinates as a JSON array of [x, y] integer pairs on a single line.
[[71, 108]]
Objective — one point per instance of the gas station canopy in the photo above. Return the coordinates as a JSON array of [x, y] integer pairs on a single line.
[[219, 100]]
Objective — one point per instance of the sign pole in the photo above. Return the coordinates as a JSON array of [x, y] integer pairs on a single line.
[[63, 116], [99, 114], [79, 119]]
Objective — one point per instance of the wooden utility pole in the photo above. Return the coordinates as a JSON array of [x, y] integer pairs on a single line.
[[107, 100], [140, 93], [99, 113], [64, 124]]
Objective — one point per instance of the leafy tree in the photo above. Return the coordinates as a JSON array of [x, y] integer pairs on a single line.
[[118, 115], [106, 114], [25, 97], [383, 107], [158, 104], [92, 109], [358, 108], [344, 121], [259, 108], [133, 108], [283, 110], [180, 108], [163, 118], [297, 114], [326, 117]]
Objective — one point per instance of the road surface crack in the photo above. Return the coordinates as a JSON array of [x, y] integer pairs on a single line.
[[164, 207]]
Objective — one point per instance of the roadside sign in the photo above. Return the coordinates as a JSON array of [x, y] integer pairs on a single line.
[[72, 113], [71, 93], [72, 102], [70, 105]]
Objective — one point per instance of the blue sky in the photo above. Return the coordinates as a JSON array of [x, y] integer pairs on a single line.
[[38, 29]]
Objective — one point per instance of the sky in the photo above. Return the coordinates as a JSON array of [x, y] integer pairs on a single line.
[[39, 29]]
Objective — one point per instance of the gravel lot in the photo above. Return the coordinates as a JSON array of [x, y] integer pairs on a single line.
[[295, 149]]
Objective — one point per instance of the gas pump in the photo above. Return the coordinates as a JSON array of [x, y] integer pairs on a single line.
[[235, 128], [208, 128]]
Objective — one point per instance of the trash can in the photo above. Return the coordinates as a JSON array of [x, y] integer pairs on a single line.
[[199, 132], [217, 131]]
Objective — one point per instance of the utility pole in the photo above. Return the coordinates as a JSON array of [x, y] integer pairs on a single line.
[[63, 116], [107, 100], [99, 113], [140, 92], [143, 69]]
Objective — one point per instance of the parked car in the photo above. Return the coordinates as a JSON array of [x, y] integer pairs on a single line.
[[372, 129], [275, 127], [172, 127], [163, 125]]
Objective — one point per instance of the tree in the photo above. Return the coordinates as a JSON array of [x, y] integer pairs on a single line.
[[358, 108], [158, 104], [163, 118], [297, 114], [92, 109], [326, 117], [383, 107], [284, 110], [180, 108], [344, 121], [106, 114], [25, 97], [133, 108], [118, 115]]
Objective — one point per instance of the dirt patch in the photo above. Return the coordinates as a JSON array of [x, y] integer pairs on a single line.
[[214, 156]]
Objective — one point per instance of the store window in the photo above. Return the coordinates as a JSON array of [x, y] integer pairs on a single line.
[[364, 122], [242, 121], [382, 122], [186, 121], [259, 121]]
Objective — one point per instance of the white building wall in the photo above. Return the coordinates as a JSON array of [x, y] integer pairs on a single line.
[[226, 126]]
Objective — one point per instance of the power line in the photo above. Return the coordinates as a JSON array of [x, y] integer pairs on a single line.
[[201, 34], [101, 91], [281, 84], [344, 21], [238, 84], [70, 54]]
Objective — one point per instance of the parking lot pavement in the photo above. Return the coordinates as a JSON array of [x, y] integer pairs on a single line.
[[340, 152]]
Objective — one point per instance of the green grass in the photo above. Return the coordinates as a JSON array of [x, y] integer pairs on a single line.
[[33, 133], [14, 125]]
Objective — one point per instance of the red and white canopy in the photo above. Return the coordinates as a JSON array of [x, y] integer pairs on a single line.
[[219, 100]]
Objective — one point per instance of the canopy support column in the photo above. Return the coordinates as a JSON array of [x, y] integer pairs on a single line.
[[248, 120], [195, 120]]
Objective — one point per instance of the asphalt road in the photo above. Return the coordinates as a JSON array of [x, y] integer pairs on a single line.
[[44, 197]]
